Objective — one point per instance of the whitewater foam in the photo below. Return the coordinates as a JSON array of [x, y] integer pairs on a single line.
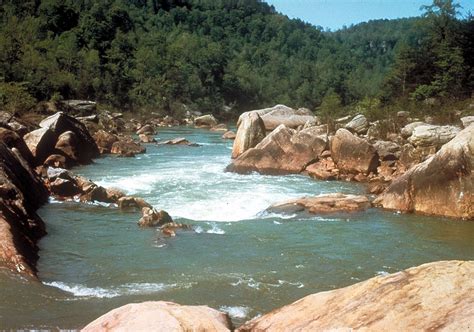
[[236, 312]]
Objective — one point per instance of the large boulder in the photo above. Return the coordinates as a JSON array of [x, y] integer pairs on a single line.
[[41, 143], [280, 114], [105, 140], [250, 132], [12, 140], [430, 135], [147, 130], [353, 154], [358, 124], [79, 107], [407, 131], [205, 121], [60, 123], [330, 203], [283, 151], [441, 185], [161, 316], [428, 297], [21, 193], [467, 121]]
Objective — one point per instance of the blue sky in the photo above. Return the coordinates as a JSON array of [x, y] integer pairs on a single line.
[[334, 14]]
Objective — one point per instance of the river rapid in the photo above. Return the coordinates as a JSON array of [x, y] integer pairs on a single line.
[[238, 259]]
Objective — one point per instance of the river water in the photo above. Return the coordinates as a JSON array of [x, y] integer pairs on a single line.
[[237, 259]]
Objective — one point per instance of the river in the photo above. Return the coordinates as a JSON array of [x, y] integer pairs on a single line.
[[237, 259]]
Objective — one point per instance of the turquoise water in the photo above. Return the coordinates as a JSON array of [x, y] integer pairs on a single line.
[[237, 259]]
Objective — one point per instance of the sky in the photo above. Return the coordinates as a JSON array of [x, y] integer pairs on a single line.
[[334, 14]]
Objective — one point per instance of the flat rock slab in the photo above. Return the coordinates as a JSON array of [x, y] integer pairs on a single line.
[[161, 316], [331, 203], [430, 297]]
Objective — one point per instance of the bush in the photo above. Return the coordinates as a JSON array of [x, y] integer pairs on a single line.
[[15, 99]]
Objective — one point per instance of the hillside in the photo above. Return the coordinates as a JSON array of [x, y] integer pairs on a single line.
[[158, 55]]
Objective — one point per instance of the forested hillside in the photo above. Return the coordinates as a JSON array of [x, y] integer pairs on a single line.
[[206, 54]]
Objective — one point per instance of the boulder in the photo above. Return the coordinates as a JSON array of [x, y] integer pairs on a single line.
[[144, 138], [220, 127], [80, 107], [441, 185], [387, 150], [467, 121], [60, 123], [104, 140], [407, 131], [126, 148], [430, 135], [68, 145], [283, 151], [323, 169], [250, 132], [207, 120], [146, 130], [411, 156], [433, 296], [353, 154], [57, 161], [330, 203], [12, 140], [152, 217], [358, 124], [64, 188], [41, 143], [229, 135], [178, 141], [128, 202], [280, 114], [97, 194], [21, 193], [161, 316]]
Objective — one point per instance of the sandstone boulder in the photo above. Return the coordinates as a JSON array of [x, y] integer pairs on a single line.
[[56, 161], [161, 316], [12, 140], [105, 140], [330, 203], [41, 143], [250, 132], [152, 217], [146, 130], [68, 145], [205, 121], [60, 123], [358, 124], [229, 135], [21, 193], [79, 107], [144, 138], [177, 141], [430, 135], [407, 131], [467, 121], [280, 114], [323, 169], [127, 148], [433, 296], [387, 150], [128, 202], [283, 151], [441, 185], [353, 154]]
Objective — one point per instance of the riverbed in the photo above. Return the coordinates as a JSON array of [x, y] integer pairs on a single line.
[[238, 258]]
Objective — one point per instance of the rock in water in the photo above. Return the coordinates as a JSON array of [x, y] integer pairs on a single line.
[[60, 123], [161, 316], [441, 185], [428, 297], [126, 148], [104, 140], [205, 121], [250, 132], [152, 217], [353, 154], [41, 143], [229, 135], [330, 203], [283, 151]]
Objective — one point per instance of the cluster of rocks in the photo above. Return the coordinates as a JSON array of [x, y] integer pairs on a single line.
[[427, 297], [358, 152]]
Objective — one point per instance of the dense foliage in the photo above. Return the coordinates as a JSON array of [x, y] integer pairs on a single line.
[[205, 54]]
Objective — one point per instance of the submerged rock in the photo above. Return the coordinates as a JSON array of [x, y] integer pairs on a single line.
[[161, 316], [250, 132], [428, 297], [283, 151], [330, 203], [441, 185]]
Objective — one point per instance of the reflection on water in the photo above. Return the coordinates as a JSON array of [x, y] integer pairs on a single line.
[[237, 260]]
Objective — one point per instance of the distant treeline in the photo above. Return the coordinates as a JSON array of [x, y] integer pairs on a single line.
[[158, 55]]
